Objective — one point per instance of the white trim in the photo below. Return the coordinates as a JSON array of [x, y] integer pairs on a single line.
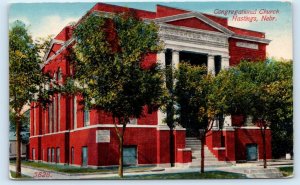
[[53, 41], [195, 30], [212, 23], [49, 134], [184, 149], [198, 48], [65, 45], [112, 126], [163, 165], [250, 38], [228, 128], [250, 128], [162, 127], [219, 148], [197, 15], [157, 127], [183, 165]]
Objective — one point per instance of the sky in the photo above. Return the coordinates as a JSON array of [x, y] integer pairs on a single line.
[[45, 19]]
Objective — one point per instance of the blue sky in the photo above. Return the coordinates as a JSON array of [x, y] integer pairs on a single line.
[[49, 18]]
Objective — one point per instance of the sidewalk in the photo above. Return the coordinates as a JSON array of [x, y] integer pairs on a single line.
[[238, 168]]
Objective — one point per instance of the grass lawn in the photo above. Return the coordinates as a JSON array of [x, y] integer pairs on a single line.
[[287, 171], [74, 170], [191, 175], [13, 175]]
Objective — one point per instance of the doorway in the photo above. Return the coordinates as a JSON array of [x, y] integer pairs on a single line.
[[251, 150], [130, 156], [84, 156]]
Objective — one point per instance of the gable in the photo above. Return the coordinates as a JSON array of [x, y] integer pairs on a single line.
[[193, 23], [188, 19], [55, 47]]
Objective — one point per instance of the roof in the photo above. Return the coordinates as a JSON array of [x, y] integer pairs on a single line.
[[163, 14]]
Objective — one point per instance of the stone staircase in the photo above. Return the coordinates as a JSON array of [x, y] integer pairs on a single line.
[[209, 161], [262, 173]]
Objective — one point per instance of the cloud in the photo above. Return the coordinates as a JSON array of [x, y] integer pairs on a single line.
[[51, 25], [281, 45]]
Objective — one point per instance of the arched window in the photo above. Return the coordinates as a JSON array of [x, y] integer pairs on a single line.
[[86, 115], [54, 76], [59, 75]]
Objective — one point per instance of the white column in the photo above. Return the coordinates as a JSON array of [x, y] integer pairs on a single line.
[[175, 59], [227, 121], [161, 56], [225, 65], [211, 64], [225, 62], [215, 124]]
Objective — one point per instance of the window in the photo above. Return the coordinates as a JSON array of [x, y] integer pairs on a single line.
[[74, 112], [50, 118], [54, 76], [72, 155], [58, 113], [54, 115], [34, 119], [86, 115], [59, 75], [49, 155], [84, 156], [45, 120], [133, 121], [57, 155], [249, 121], [33, 154], [71, 69], [52, 157]]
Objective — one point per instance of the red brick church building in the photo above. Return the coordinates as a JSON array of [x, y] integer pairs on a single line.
[[65, 133]]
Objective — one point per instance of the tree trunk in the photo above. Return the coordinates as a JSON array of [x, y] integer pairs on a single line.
[[18, 160], [264, 148], [171, 147], [203, 138], [263, 135], [120, 170]]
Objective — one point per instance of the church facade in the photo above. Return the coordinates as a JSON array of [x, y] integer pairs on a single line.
[[66, 133]]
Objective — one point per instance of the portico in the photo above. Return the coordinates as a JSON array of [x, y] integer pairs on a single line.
[[199, 47]]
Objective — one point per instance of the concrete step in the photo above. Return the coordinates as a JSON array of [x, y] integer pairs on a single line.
[[209, 161], [263, 173], [210, 165], [206, 160]]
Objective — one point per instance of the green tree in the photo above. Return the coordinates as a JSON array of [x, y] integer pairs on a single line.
[[197, 103], [262, 90], [109, 52], [26, 80]]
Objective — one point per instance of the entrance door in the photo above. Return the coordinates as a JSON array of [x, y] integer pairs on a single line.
[[84, 156], [129, 156], [251, 152]]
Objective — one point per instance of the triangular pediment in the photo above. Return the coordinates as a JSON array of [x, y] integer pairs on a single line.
[[54, 46], [193, 22], [196, 18]]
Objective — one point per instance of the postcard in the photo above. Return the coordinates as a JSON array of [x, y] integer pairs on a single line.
[[151, 90]]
